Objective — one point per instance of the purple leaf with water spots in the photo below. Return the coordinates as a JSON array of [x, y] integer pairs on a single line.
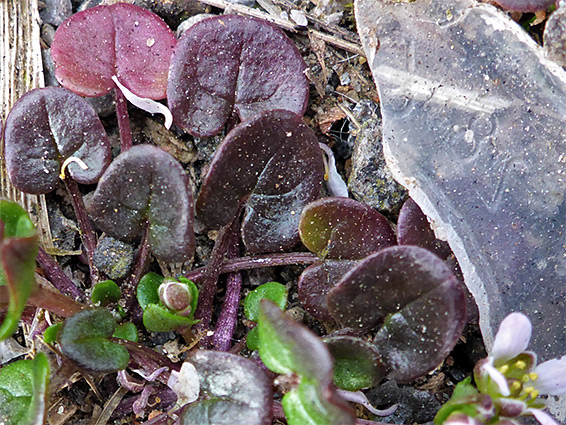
[[275, 163], [120, 40], [234, 65], [146, 184], [44, 128]]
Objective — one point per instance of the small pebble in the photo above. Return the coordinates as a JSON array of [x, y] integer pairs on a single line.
[[298, 16], [113, 257], [56, 11]]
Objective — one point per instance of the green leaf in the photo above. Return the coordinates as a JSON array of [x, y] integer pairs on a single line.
[[252, 340], [273, 291], [194, 293], [50, 334], [84, 339], [126, 331], [147, 292], [160, 319], [23, 387], [18, 249], [106, 292], [464, 400]]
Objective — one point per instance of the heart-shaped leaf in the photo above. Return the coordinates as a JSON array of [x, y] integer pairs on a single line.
[[423, 305], [357, 363], [273, 160], [146, 184], [18, 249], [413, 229], [119, 40], [343, 229], [46, 127], [23, 389], [288, 347], [84, 338], [233, 64], [315, 283], [233, 389]]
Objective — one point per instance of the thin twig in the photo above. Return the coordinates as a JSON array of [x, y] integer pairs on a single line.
[[285, 24], [123, 120]]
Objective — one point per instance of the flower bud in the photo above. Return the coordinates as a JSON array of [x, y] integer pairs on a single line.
[[176, 296]]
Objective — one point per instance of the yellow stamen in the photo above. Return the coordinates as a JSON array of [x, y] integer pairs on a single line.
[[520, 364], [525, 378], [533, 376], [515, 385], [534, 394], [529, 390], [503, 369]]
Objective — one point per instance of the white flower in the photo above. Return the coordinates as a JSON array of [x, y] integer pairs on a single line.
[[551, 377], [512, 338]]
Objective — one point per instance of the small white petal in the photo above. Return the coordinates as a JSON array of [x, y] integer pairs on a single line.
[[512, 337], [185, 384], [551, 377], [360, 398], [498, 378], [334, 183], [148, 105], [543, 417]]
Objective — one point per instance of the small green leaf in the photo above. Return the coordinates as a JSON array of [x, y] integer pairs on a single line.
[[464, 400], [148, 288], [84, 339], [18, 249], [252, 340], [273, 291], [126, 331], [194, 293], [50, 334], [23, 386], [106, 292], [160, 319]]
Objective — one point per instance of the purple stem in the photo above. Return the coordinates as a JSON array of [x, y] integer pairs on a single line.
[[56, 275], [123, 120], [222, 338], [258, 262], [140, 262], [87, 232]]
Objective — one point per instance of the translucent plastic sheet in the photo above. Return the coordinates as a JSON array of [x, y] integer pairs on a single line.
[[474, 125]]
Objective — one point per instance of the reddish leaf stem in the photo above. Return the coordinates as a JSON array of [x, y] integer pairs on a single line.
[[56, 275], [87, 232], [222, 338], [123, 120], [140, 262], [257, 262]]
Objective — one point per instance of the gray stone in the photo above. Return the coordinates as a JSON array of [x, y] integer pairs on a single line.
[[56, 11], [555, 36], [370, 180], [113, 257], [474, 126]]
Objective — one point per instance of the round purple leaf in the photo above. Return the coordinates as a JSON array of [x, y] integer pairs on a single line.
[[525, 5], [47, 126], [232, 64], [146, 184], [123, 40]]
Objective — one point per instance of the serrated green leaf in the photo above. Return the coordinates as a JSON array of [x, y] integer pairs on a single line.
[[84, 339], [23, 386], [273, 291], [105, 292], [18, 249]]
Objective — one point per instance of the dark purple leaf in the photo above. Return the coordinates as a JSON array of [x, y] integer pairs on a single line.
[[232, 389], [233, 64], [146, 184], [357, 363], [316, 281], [47, 126], [413, 229], [525, 5], [344, 229], [120, 40], [419, 298], [274, 161]]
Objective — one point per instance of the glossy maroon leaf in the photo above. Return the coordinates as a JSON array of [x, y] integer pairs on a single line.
[[316, 281], [274, 161], [146, 184], [123, 40], [231, 387], [233, 64], [47, 126], [413, 229], [343, 229], [419, 298]]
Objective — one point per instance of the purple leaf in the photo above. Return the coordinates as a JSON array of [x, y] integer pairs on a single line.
[[47, 126], [343, 229], [423, 305], [274, 161], [316, 281], [413, 229], [231, 387], [525, 5], [233, 64], [123, 40], [146, 184]]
